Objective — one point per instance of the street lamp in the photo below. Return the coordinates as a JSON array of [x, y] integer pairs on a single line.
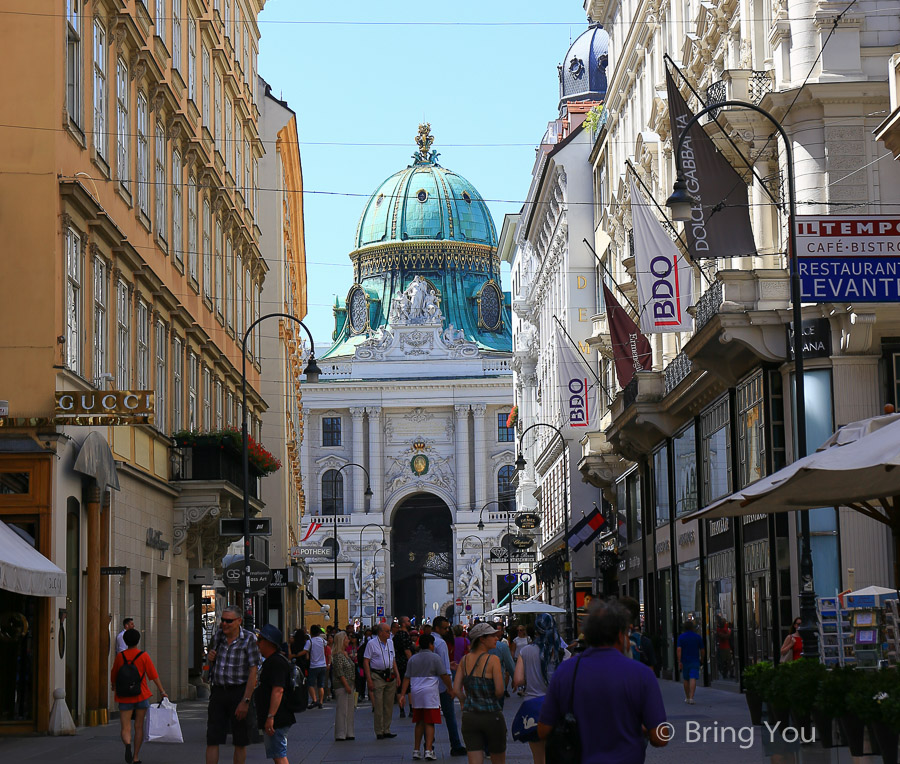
[[383, 545], [368, 494], [480, 527], [480, 541], [681, 204], [312, 372], [520, 466]]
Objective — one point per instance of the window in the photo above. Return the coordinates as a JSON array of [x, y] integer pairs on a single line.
[[74, 79], [248, 294], [716, 451], [257, 313], [73, 300], [751, 436], [220, 405], [161, 190], [123, 336], [161, 363], [219, 268], [505, 434], [100, 317], [238, 296], [229, 410], [177, 382], [634, 520], [229, 283], [227, 148], [245, 57], [685, 459], [176, 35], [226, 16], [123, 129], [192, 59], [247, 181], [255, 187], [100, 89], [207, 249], [207, 398], [217, 106], [331, 431], [332, 493], [143, 154], [143, 346], [506, 494], [661, 484], [177, 207], [254, 79], [206, 89], [193, 254], [161, 19]]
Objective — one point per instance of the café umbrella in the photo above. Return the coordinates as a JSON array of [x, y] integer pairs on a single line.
[[856, 468]]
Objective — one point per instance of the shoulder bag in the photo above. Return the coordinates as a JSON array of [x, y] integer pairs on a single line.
[[563, 744]]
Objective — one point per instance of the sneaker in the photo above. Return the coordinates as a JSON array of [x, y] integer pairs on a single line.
[[429, 756], [690, 701], [417, 755]]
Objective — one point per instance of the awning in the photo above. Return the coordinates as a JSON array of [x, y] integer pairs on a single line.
[[25, 570]]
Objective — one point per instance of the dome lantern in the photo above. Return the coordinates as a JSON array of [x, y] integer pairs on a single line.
[[582, 75]]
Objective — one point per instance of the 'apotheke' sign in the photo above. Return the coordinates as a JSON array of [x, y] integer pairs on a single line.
[[112, 403]]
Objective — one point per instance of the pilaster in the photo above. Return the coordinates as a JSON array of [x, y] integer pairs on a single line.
[[357, 477], [478, 410], [376, 449], [462, 456]]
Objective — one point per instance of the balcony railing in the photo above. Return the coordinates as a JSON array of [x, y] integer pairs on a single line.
[[717, 92], [629, 394], [708, 305], [212, 463], [677, 370], [740, 85]]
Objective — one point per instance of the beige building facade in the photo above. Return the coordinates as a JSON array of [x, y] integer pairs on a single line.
[[130, 195]]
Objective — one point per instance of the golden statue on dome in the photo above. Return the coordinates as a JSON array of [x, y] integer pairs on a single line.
[[424, 140]]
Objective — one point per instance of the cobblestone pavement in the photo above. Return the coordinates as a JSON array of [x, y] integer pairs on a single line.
[[312, 739]]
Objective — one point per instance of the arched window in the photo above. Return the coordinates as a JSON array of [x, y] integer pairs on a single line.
[[332, 493], [506, 494]]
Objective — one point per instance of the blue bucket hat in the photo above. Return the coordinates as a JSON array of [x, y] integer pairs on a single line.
[[271, 634]]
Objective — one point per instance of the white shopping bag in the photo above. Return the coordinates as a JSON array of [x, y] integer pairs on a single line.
[[162, 723]]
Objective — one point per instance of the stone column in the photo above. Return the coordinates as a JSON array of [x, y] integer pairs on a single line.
[[355, 474], [105, 615], [376, 450], [480, 454], [93, 626], [462, 457]]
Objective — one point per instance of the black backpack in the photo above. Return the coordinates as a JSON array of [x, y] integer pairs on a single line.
[[129, 679], [296, 699]]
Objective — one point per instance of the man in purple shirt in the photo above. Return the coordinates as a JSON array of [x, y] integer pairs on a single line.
[[620, 694]]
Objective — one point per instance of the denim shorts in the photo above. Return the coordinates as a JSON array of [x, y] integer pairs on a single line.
[[276, 745], [317, 676], [690, 671], [134, 706]]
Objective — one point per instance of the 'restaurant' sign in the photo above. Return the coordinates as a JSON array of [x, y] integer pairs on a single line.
[[849, 258], [113, 403]]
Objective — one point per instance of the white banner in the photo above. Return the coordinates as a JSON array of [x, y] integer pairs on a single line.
[[576, 387], [665, 279]]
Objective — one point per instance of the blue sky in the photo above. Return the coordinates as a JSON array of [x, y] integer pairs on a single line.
[[373, 81]]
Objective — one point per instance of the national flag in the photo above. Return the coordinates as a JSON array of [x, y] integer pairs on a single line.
[[313, 527], [577, 398], [586, 529], [631, 349], [665, 278], [720, 222]]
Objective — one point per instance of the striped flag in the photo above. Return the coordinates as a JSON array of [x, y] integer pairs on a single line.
[[586, 529], [313, 527]]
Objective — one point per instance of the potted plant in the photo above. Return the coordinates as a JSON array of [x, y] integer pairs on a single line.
[[830, 702], [803, 679], [884, 725], [229, 440], [861, 708], [757, 680], [780, 696]]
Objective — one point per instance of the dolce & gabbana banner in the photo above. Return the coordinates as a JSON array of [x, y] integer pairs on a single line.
[[665, 279], [577, 398], [720, 219]]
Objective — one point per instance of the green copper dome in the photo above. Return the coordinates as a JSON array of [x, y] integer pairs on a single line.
[[425, 201]]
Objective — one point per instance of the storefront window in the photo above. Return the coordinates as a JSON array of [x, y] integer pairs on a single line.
[[621, 504], [716, 444], [661, 484], [685, 458], [666, 637], [721, 614], [758, 596], [689, 591], [633, 482], [751, 442]]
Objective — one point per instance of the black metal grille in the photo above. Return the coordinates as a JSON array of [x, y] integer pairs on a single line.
[[716, 93], [630, 392], [708, 305], [677, 370], [760, 84]]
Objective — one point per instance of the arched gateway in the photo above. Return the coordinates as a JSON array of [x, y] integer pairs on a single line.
[[422, 541]]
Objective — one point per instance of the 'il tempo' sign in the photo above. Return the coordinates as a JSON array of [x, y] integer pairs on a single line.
[[849, 258]]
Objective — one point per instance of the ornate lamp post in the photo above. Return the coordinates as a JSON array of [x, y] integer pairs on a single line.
[[368, 494], [481, 542], [383, 545], [312, 372], [384, 549], [520, 467], [508, 551], [681, 203]]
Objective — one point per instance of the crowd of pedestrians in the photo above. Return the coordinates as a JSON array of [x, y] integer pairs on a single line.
[[258, 682]]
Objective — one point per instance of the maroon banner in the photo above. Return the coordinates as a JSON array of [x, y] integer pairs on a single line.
[[713, 231], [631, 349]]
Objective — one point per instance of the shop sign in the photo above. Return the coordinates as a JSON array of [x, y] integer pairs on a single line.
[[112, 403], [688, 541], [315, 551], [634, 562], [522, 541], [113, 570], [260, 575], [234, 526], [663, 548], [154, 541], [528, 521], [848, 258], [279, 578], [816, 338], [722, 525]]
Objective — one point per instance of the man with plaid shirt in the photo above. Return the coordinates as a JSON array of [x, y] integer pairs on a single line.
[[234, 662]]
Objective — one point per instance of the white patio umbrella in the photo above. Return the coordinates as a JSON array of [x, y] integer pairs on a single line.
[[856, 467], [521, 607]]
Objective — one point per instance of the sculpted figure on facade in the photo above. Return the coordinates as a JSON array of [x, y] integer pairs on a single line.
[[470, 584], [367, 579], [419, 304]]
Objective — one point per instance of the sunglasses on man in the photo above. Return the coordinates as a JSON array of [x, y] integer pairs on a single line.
[[229, 620]]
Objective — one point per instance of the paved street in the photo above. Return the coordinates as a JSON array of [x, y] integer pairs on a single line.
[[311, 740]]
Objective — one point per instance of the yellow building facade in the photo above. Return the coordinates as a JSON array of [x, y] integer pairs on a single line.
[[132, 262]]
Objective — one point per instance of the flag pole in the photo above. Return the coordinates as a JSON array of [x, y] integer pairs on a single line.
[[637, 313], [740, 153], [574, 344]]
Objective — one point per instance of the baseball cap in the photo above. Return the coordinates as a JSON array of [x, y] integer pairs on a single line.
[[482, 630]]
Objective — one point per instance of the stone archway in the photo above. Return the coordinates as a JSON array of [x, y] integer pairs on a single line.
[[422, 545]]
